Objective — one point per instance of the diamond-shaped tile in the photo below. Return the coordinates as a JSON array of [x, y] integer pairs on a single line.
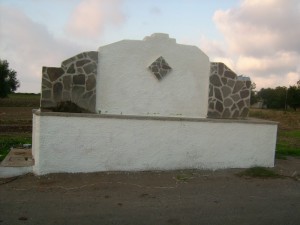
[[160, 68]]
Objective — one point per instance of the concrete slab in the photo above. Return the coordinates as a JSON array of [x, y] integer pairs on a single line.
[[17, 162], [18, 158]]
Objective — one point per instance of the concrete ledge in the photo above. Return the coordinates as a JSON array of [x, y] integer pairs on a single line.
[[164, 118], [65, 142]]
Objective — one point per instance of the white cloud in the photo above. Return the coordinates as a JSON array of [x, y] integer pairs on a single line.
[[212, 47], [91, 17], [28, 46], [262, 38], [280, 62]]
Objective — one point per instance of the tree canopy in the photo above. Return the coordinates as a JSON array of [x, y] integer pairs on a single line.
[[8, 79], [280, 97]]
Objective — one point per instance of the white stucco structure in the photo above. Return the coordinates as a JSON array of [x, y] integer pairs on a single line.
[[148, 120], [126, 86], [87, 143]]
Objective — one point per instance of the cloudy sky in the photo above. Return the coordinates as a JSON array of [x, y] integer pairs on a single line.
[[257, 38]]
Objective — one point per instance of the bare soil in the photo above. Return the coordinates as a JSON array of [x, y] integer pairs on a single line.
[[173, 197]]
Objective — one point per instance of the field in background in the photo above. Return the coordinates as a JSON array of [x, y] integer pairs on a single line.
[[16, 120], [16, 124]]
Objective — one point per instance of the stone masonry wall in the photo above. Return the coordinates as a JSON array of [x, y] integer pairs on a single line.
[[229, 94], [74, 81]]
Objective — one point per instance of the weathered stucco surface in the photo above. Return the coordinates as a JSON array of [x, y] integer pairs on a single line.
[[126, 85], [108, 143]]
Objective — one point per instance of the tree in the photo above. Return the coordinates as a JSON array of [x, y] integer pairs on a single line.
[[254, 97], [273, 98], [8, 80], [293, 96], [280, 97]]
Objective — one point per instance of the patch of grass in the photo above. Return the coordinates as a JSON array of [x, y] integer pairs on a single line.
[[6, 142], [259, 172], [288, 143], [291, 133], [284, 148]]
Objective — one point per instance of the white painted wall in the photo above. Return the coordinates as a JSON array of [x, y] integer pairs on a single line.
[[96, 143], [126, 86]]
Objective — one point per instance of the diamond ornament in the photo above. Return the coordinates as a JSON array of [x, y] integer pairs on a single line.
[[160, 68]]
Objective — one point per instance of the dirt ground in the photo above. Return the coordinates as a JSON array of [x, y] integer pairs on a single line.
[[174, 197]]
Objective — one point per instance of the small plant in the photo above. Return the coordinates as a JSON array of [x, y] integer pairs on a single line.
[[259, 172], [183, 177]]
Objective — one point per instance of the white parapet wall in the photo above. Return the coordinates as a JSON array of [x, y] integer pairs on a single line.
[[126, 85], [65, 142]]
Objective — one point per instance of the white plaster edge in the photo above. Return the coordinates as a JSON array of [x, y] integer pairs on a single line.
[[251, 120], [6, 172]]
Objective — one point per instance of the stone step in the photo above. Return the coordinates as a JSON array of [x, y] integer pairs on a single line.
[[18, 157]]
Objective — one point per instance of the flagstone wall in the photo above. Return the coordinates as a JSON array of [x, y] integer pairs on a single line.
[[229, 94], [74, 81]]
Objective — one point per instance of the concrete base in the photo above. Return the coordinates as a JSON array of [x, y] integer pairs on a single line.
[[17, 162], [6, 172], [65, 142]]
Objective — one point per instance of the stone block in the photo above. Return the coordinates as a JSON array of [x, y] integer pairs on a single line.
[[90, 68], [54, 73], [82, 62], [245, 112], [79, 79], [226, 91], [66, 63], [224, 80], [226, 113], [219, 107], [71, 69], [66, 96], [228, 102], [236, 97], [57, 91], [46, 83], [235, 114], [230, 83], [211, 91], [46, 94], [238, 86], [218, 94], [77, 92], [241, 104], [245, 94], [67, 81], [230, 74], [215, 80]]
